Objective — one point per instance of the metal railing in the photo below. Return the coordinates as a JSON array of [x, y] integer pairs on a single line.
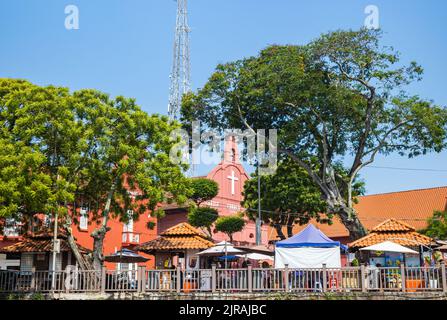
[[260, 280]]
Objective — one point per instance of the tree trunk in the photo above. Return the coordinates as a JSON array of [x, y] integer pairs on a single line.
[[278, 228], [210, 233], [290, 224], [350, 220], [99, 234], [73, 246]]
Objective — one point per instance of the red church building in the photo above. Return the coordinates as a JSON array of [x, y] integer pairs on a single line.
[[229, 174]]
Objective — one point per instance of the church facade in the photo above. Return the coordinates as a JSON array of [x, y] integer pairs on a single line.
[[230, 176]]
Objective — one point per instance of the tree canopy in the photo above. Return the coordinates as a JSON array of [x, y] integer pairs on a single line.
[[230, 225], [203, 190], [83, 147], [342, 98], [437, 226], [288, 197], [203, 217]]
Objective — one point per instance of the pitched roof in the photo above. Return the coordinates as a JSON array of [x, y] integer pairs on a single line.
[[179, 237], [413, 207], [183, 229], [410, 239], [393, 225], [175, 243], [39, 244], [395, 231]]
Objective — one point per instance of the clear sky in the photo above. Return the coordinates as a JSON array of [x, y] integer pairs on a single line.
[[124, 47]]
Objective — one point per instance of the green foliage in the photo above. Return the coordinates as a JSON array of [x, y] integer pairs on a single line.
[[437, 225], [150, 225], [339, 99], [203, 190], [288, 197], [59, 149], [203, 217], [84, 142], [230, 225], [38, 138]]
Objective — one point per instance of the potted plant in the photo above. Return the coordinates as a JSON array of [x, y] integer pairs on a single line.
[[427, 261]]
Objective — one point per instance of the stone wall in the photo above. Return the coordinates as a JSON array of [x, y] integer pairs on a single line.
[[252, 296]]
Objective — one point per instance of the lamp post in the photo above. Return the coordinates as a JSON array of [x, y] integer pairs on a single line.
[[56, 247], [258, 219]]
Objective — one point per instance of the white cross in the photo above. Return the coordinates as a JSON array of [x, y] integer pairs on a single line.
[[233, 178]]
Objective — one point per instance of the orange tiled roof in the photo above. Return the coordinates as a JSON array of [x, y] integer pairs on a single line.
[[175, 243], [393, 225], [38, 245], [392, 230], [413, 207], [183, 229], [179, 237], [413, 239]]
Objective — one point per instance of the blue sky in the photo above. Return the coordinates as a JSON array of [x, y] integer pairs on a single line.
[[124, 47]]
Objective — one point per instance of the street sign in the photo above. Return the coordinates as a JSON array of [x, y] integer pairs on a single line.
[[57, 246]]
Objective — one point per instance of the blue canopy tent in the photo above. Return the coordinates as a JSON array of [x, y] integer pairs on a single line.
[[310, 248]]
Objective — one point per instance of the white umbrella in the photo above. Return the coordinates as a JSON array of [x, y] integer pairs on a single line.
[[255, 256], [389, 246], [222, 248]]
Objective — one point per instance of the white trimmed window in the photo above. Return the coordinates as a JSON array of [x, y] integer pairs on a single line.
[[128, 227], [83, 218]]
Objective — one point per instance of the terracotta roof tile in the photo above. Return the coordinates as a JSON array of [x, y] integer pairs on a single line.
[[413, 239], [182, 236], [175, 243], [38, 245], [413, 207], [392, 225], [183, 229]]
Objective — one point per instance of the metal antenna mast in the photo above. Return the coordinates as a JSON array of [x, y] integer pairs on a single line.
[[181, 68]]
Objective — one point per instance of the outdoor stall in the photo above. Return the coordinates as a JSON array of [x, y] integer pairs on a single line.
[[390, 277], [224, 250], [310, 248], [399, 233], [223, 253], [178, 247], [397, 256]]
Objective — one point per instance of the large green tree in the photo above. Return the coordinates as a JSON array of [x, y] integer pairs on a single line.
[[86, 147], [288, 197], [340, 98], [38, 137]]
